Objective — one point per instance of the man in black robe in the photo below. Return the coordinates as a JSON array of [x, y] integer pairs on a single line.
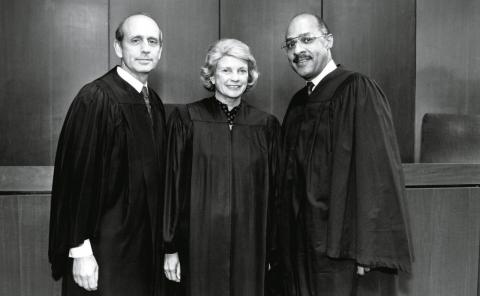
[[107, 187], [343, 187]]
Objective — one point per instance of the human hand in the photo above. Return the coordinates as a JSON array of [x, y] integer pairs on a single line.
[[171, 267], [362, 270], [85, 272]]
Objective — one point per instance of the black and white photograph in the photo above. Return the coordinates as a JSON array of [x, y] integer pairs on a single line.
[[240, 148]]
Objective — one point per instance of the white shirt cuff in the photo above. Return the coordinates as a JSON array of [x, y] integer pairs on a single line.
[[83, 250]]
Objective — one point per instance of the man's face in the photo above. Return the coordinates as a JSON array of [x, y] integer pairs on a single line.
[[309, 50], [141, 47]]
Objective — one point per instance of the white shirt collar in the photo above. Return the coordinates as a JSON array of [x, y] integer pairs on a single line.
[[327, 70], [137, 85]]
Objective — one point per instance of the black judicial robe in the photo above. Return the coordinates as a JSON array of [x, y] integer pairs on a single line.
[[220, 196], [343, 189], [108, 188]]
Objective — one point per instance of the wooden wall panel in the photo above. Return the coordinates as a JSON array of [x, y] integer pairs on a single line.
[[439, 174], [188, 27], [448, 59], [24, 222], [26, 179], [444, 225], [9, 251], [262, 25], [445, 231], [377, 38], [49, 50]]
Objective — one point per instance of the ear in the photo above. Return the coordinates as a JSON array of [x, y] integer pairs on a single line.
[[212, 80], [118, 48], [160, 52], [329, 41]]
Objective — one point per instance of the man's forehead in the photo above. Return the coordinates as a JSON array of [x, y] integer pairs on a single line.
[[141, 25], [302, 26], [142, 33]]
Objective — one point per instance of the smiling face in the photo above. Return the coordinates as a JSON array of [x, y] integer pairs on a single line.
[[141, 47], [308, 60], [231, 78]]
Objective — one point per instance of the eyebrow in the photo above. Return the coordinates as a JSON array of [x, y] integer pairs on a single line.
[[144, 37], [298, 36]]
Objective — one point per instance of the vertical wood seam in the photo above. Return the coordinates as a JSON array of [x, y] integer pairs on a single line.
[[219, 19], [19, 248], [321, 8], [108, 34]]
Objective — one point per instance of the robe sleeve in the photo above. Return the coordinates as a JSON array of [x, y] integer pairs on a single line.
[[278, 278], [275, 153], [177, 178], [367, 213], [80, 162]]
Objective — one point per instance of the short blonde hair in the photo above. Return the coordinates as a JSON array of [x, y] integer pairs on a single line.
[[228, 47]]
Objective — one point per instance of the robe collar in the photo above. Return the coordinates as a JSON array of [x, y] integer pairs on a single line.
[[134, 82], [329, 68], [132, 96]]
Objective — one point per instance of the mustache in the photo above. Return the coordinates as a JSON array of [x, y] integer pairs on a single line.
[[300, 56]]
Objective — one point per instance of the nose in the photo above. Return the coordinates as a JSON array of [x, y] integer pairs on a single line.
[[145, 47], [298, 48], [234, 76]]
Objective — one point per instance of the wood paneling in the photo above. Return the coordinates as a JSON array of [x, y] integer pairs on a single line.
[[25, 270], [39, 179], [188, 28], [49, 50], [445, 231], [448, 61], [262, 25], [444, 225], [377, 38], [438, 174], [9, 249], [26, 179]]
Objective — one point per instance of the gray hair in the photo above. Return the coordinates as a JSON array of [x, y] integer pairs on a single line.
[[228, 47]]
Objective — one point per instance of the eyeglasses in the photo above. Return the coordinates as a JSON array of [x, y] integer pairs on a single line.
[[304, 40]]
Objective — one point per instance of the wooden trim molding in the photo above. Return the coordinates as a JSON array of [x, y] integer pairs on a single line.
[[38, 179], [441, 175], [18, 179]]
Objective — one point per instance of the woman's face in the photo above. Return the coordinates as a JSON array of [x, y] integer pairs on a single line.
[[231, 78]]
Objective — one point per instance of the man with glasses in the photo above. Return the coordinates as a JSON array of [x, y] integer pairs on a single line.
[[343, 186], [108, 180]]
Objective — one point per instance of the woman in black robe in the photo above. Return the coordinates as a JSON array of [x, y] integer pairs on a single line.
[[221, 182]]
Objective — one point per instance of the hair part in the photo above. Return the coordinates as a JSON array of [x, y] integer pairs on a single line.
[[228, 47]]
